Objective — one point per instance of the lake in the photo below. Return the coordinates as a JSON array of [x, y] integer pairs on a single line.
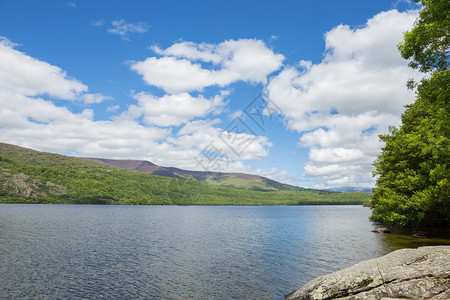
[[173, 252]]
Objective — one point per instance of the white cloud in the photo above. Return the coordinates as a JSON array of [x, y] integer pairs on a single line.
[[40, 124], [180, 70], [20, 73], [30, 120], [195, 139], [122, 29], [113, 108], [192, 51], [337, 155], [27, 119], [25, 75], [177, 75], [406, 4], [236, 114], [340, 105], [174, 110], [95, 98], [98, 22]]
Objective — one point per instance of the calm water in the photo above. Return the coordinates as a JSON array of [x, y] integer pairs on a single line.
[[170, 252]]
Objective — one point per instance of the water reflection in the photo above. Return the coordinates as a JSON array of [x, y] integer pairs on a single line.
[[153, 252], [400, 240]]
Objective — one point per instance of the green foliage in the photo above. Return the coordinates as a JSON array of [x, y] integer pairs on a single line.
[[414, 188], [236, 180], [95, 183], [428, 42]]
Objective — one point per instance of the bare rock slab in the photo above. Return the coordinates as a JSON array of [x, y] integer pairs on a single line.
[[422, 273], [381, 230]]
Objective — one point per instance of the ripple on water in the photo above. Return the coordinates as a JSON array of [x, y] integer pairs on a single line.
[[154, 252]]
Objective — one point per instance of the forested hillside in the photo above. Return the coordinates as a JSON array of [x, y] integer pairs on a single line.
[[237, 180], [28, 176]]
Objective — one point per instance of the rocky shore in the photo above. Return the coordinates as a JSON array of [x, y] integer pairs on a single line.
[[422, 273]]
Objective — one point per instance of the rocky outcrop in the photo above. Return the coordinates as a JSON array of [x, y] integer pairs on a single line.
[[381, 230], [422, 273], [23, 186]]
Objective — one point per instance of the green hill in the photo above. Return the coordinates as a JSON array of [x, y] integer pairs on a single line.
[[236, 180], [29, 176]]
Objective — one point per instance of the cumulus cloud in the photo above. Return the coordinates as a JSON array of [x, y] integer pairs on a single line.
[[40, 124], [174, 110], [185, 67], [337, 106], [340, 105], [113, 108], [123, 29], [177, 75], [199, 145], [192, 51], [180, 69], [30, 117], [94, 98], [25, 75], [20, 73]]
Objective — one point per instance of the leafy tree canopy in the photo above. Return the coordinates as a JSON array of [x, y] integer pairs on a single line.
[[427, 44], [413, 188]]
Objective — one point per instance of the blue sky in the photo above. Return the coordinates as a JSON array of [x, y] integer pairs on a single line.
[[178, 83]]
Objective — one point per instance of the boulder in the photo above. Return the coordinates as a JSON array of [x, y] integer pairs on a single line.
[[381, 230], [422, 273]]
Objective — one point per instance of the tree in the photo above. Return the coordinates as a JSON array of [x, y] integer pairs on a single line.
[[427, 44], [413, 188]]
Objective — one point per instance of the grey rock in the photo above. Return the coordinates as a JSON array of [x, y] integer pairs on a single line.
[[422, 273], [382, 230], [23, 186]]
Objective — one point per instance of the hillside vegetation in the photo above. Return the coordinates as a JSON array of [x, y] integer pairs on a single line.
[[28, 176], [237, 180]]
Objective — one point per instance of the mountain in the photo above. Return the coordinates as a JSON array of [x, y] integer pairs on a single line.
[[350, 189], [29, 176], [236, 180]]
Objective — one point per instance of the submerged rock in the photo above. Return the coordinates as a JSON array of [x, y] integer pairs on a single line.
[[422, 273], [421, 234], [382, 230]]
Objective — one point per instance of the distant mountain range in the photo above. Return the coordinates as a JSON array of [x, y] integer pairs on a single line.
[[235, 180], [345, 189]]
